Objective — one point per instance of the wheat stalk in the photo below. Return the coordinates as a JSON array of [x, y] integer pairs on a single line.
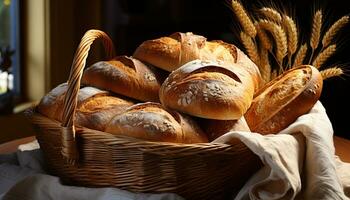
[[331, 72], [264, 39], [250, 47], [271, 14], [280, 37], [316, 30], [300, 56], [333, 30], [292, 34], [264, 66], [324, 55], [244, 19]]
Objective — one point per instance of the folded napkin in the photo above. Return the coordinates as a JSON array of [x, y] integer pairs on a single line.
[[299, 162]]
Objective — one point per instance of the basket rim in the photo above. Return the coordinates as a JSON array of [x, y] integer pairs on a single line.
[[109, 137]]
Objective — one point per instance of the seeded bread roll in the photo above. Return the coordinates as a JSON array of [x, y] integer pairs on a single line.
[[283, 100], [209, 90], [126, 76], [151, 121], [95, 108]]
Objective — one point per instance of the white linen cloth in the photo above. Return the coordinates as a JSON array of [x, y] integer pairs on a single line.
[[299, 163]]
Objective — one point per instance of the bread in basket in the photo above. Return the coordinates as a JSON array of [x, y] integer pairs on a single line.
[[86, 157]]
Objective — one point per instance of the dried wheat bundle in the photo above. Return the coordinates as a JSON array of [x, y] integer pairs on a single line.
[[274, 34]]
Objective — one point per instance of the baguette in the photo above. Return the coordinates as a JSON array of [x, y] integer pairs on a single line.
[[284, 99]]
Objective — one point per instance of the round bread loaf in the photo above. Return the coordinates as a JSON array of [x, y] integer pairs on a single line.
[[94, 108], [284, 99], [209, 90], [152, 122], [126, 76]]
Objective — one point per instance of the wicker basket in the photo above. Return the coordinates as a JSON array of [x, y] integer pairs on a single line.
[[85, 157]]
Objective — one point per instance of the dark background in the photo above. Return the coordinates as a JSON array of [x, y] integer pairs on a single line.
[[131, 22]]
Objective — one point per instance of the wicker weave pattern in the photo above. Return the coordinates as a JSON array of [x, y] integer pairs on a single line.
[[194, 171]]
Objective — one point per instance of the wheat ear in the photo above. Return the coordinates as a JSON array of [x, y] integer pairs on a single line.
[[331, 72], [244, 19], [280, 37], [292, 34], [271, 14], [333, 30], [264, 66], [250, 46], [324, 55], [315, 32], [300, 56], [264, 39], [316, 29]]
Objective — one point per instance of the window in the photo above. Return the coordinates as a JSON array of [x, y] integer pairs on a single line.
[[9, 52], [9, 44]]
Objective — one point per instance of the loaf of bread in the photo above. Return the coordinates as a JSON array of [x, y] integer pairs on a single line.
[[151, 121], [216, 128], [126, 76], [209, 90], [169, 53], [95, 108], [284, 99]]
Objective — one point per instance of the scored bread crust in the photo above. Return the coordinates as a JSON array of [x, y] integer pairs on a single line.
[[169, 53], [95, 108], [126, 76], [208, 90], [284, 99], [152, 122]]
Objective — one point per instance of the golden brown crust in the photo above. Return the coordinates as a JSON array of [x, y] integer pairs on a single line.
[[150, 121], [94, 107], [284, 99], [169, 53], [208, 90], [126, 76], [216, 128]]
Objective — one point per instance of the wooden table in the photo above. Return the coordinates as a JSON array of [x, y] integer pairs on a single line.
[[342, 147]]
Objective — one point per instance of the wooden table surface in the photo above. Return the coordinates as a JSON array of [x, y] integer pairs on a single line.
[[342, 147]]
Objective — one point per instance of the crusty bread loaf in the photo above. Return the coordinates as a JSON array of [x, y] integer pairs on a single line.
[[216, 128], [95, 108], [208, 90], [126, 76], [151, 121], [241, 59], [171, 52], [284, 99]]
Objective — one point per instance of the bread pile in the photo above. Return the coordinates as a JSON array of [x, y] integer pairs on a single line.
[[185, 89]]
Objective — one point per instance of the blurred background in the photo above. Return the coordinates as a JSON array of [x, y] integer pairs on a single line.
[[38, 39]]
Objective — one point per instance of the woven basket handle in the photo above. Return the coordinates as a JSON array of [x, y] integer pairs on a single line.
[[69, 147]]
